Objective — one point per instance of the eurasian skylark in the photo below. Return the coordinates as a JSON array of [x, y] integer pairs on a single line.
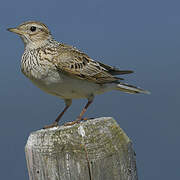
[[63, 70]]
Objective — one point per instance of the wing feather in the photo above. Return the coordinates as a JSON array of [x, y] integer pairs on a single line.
[[77, 64]]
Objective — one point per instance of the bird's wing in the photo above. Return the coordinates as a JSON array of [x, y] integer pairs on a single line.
[[75, 63]]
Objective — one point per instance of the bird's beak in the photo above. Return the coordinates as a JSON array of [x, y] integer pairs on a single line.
[[15, 30]]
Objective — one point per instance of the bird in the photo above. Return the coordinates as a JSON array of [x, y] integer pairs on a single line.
[[64, 71]]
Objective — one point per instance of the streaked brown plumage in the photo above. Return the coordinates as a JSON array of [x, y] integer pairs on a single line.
[[63, 70]]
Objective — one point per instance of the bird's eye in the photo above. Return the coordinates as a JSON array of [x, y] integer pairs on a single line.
[[33, 28]]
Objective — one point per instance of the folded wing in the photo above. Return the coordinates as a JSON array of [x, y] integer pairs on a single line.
[[79, 65]]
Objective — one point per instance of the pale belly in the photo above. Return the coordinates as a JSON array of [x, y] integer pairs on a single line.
[[67, 87]]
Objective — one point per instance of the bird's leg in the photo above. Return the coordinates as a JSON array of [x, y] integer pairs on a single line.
[[84, 110], [81, 114], [68, 103]]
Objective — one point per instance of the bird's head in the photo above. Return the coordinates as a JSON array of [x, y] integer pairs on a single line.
[[33, 33]]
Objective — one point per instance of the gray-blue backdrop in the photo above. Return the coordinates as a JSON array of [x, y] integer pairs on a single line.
[[131, 34]]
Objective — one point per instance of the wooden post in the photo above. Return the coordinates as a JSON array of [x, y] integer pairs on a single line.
[[96, 149]]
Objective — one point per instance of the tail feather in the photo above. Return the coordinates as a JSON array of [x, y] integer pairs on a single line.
[[130, 89]]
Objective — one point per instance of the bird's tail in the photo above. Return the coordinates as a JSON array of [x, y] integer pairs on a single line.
[[130, 89]]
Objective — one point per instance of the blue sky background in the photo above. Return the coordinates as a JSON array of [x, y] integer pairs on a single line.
[[131, 34]]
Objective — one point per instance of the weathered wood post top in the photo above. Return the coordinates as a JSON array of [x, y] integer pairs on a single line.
[[96, 149]]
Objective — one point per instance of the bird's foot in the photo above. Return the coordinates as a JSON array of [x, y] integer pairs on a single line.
[[72, 123], [55, 124], [77, 121], [85, 119]]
